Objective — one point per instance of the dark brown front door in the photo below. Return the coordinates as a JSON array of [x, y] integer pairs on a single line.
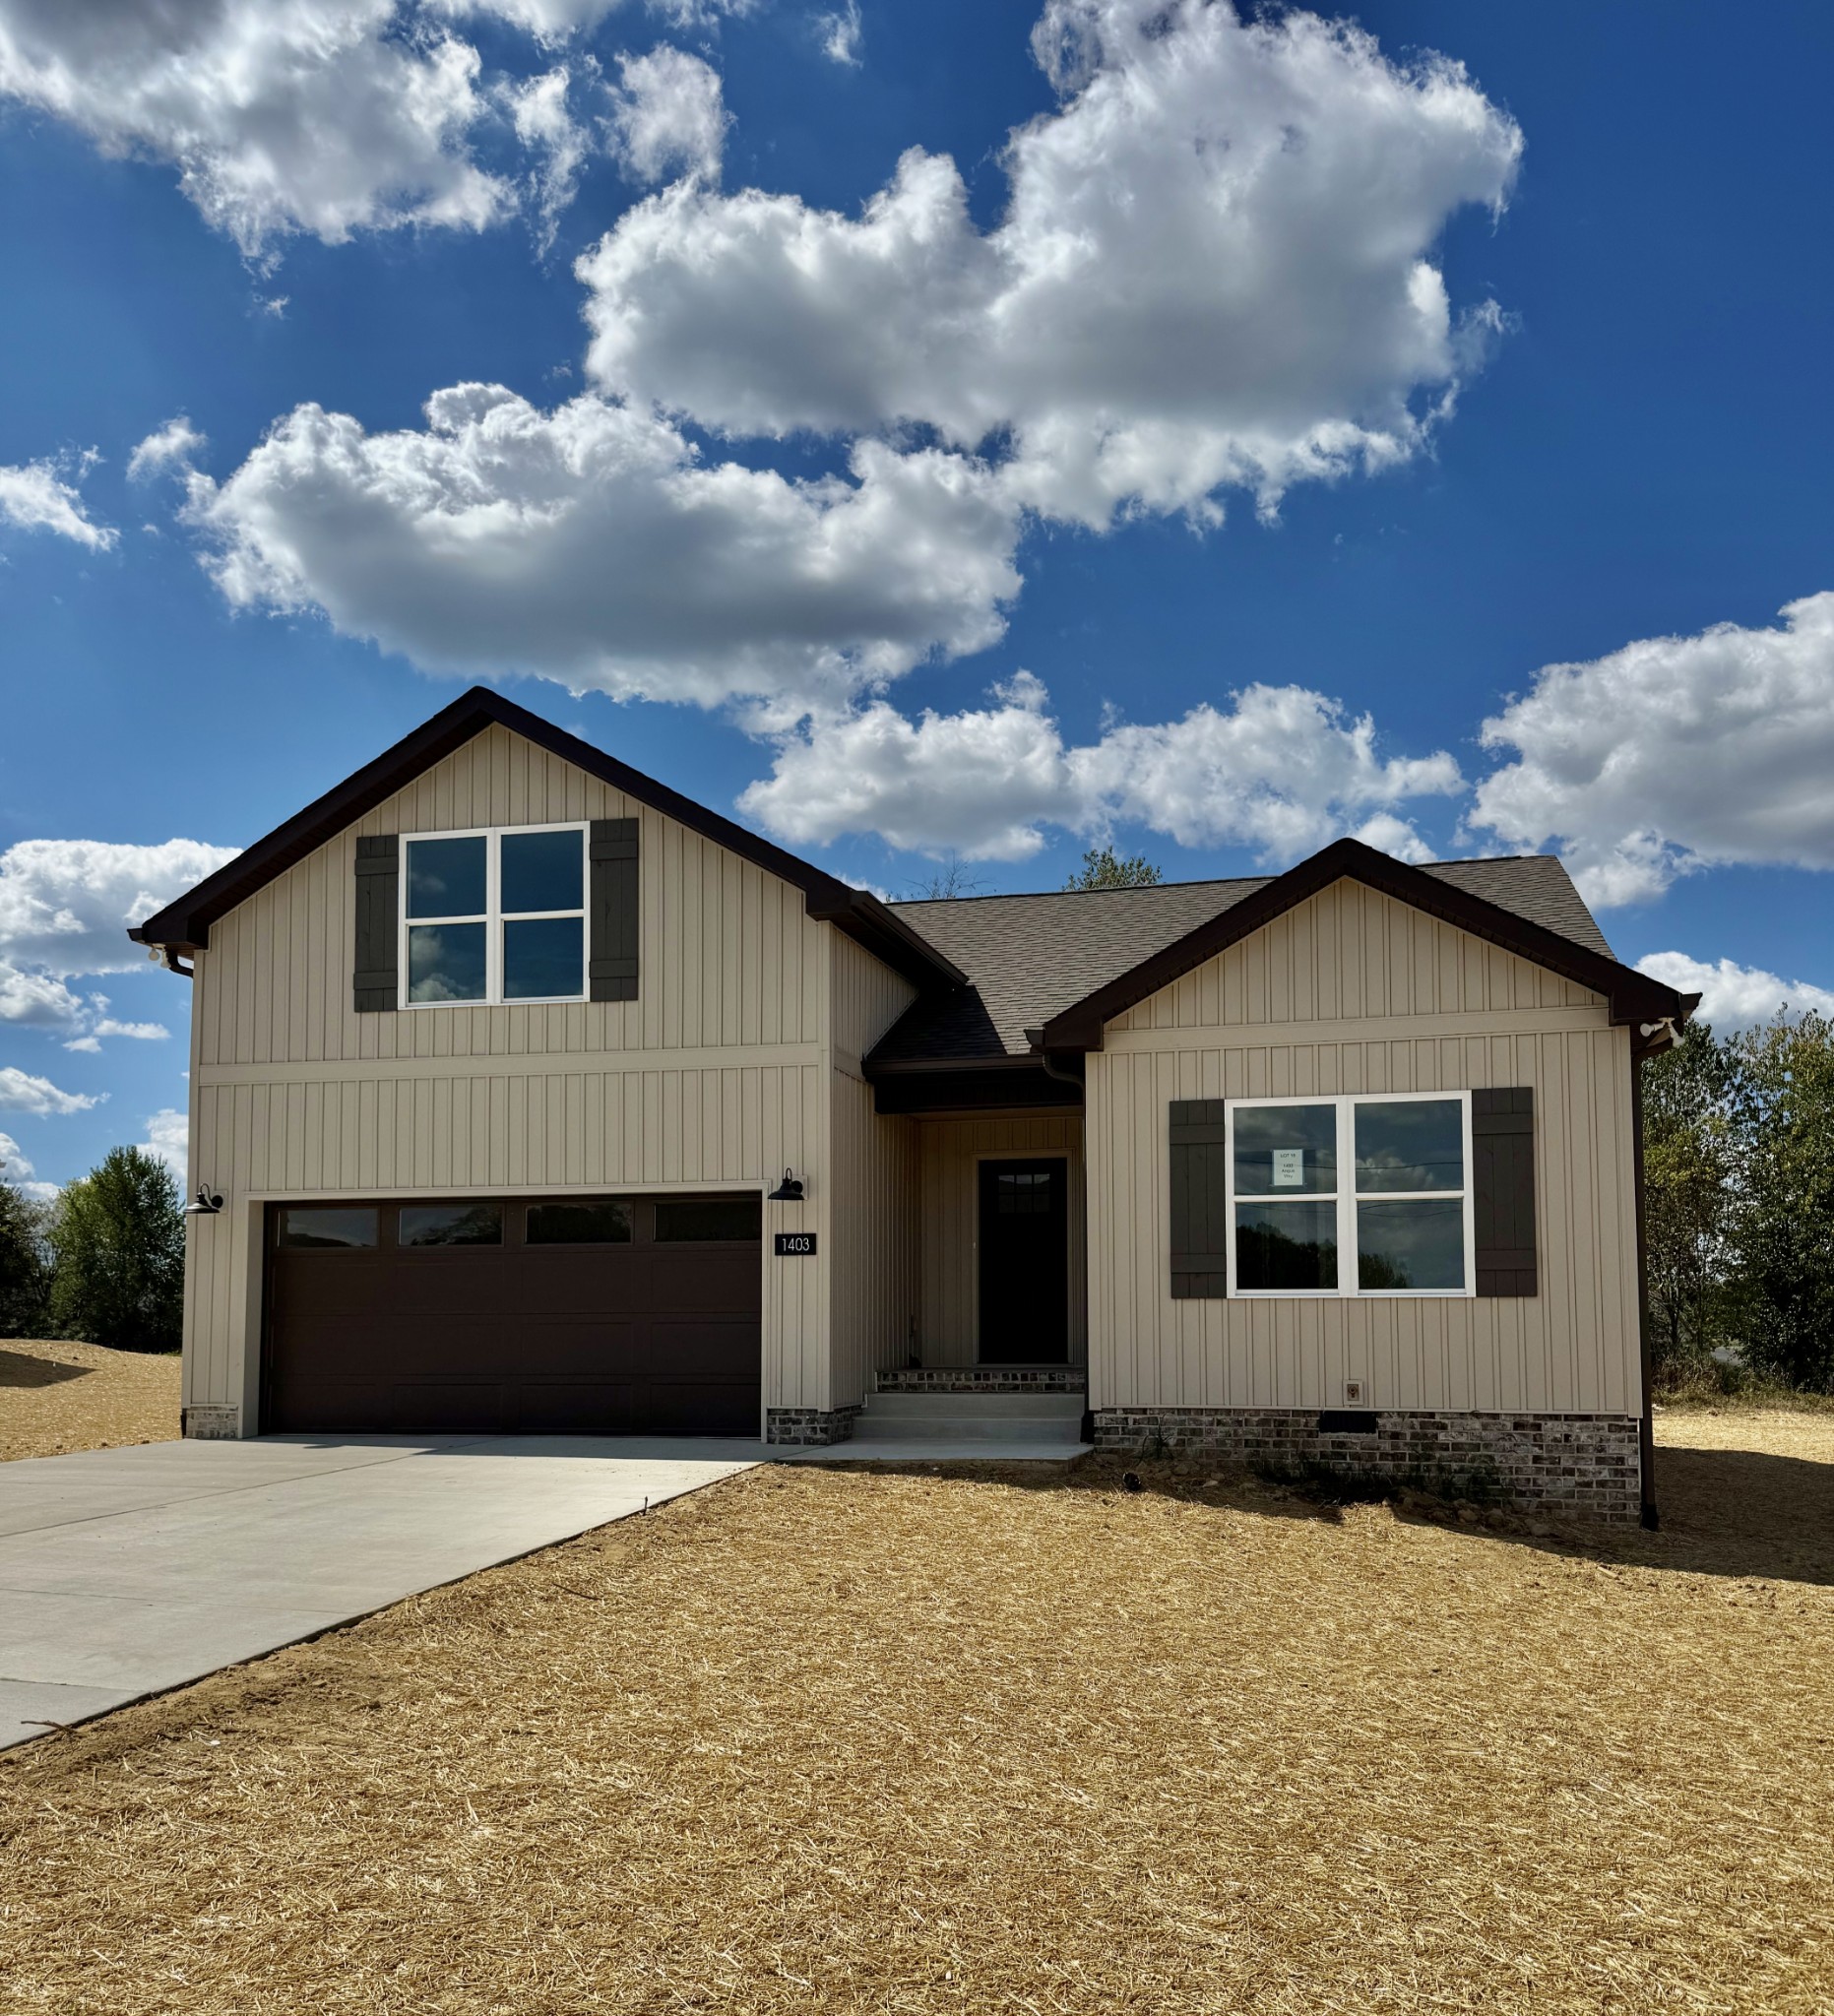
[[613, 1315], [1025, 1262]]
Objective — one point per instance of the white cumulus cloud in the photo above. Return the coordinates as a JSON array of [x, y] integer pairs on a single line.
[[318, 116], [1279, 770], [167, 1132], [1216, 270], [15, 1169], [66, 904], [1735, 996], [174, 446], [100, 1026], [39, 496], [23, 1092], [594, 545], [841, 34], [668, 116], [544, 124], [37, 999], [1673, 754], [553, 20]]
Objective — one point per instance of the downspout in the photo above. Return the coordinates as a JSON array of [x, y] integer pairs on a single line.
[[1646, 1428], [1062, 1077], [1036, 1038]]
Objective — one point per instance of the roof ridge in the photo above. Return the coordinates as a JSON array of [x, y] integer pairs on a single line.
[[1196, 882], [1486, 860], [1033, 895]]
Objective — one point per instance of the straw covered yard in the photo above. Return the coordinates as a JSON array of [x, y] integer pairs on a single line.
[[826, 1739], [64, 1396]]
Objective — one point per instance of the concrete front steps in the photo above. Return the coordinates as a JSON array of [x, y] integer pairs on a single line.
[[1047, 1425]]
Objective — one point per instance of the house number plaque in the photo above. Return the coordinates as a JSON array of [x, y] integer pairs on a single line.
[[794, 1245]]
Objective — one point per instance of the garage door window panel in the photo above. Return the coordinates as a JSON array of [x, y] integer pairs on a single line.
[[329, 1228], [451, 1225], [684, 1220], [589, 1222], [494, 915]]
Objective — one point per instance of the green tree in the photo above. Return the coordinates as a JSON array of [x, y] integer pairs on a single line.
[[1103, 868], [1690, 1157], [117, 1241], [1783, 1246], [25, 1279]]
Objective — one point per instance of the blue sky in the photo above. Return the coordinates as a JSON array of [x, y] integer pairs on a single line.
[[1106, 496]]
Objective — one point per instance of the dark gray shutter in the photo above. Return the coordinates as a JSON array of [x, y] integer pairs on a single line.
[[611, 956], [375, 979], [1199, 1201], [1502, 1150]]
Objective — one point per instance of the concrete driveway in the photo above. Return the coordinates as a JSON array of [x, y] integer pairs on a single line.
[[124, 1572]]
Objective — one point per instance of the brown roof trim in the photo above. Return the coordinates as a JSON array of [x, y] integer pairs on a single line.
[[185, 925], [977, 1086], [874, 1067], [1633, 996]]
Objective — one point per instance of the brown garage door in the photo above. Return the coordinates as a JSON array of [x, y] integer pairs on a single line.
[[595, 1316]]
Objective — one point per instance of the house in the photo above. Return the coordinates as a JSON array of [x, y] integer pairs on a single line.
[[540, 1097]]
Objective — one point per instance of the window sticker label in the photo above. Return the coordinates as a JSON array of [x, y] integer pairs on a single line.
[[1289, 1168]]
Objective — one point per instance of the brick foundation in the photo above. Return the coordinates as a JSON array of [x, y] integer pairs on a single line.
[[212, 1423], [1586, 1464], [984, 1379], [812, 1428]]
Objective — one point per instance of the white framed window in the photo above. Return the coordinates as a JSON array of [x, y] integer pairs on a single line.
[[494, 915], [1367, 1195]]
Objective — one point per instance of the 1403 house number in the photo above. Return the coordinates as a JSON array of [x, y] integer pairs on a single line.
[[794, 1245]]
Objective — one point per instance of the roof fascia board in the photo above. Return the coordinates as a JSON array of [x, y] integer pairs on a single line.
[[968, 1090], [873, 1067], [185, 923], [1633, 997]]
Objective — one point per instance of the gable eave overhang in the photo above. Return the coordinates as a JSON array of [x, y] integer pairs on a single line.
[[1634, 998], [185, 925], [968, 1085]]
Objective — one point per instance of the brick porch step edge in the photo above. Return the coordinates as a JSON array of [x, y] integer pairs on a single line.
[[984, 1379]]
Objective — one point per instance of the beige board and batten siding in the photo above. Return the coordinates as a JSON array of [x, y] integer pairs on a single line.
[[1353, 991], [717, 1074], [950, 1154], [873, 1170]]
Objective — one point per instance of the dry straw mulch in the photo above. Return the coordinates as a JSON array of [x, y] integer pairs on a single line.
[[830, 1740], [62, 1396]]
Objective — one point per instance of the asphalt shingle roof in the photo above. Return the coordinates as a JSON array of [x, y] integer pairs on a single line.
[[1029, 958]]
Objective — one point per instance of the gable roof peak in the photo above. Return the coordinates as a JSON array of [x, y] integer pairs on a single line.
[[185, 925], [1633, 997]]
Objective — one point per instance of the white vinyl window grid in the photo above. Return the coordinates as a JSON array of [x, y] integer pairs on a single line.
[[1347, 1198], [492, 918]]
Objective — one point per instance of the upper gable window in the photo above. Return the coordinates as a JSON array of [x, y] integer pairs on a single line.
[[1365, 1195], [494, 914]]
